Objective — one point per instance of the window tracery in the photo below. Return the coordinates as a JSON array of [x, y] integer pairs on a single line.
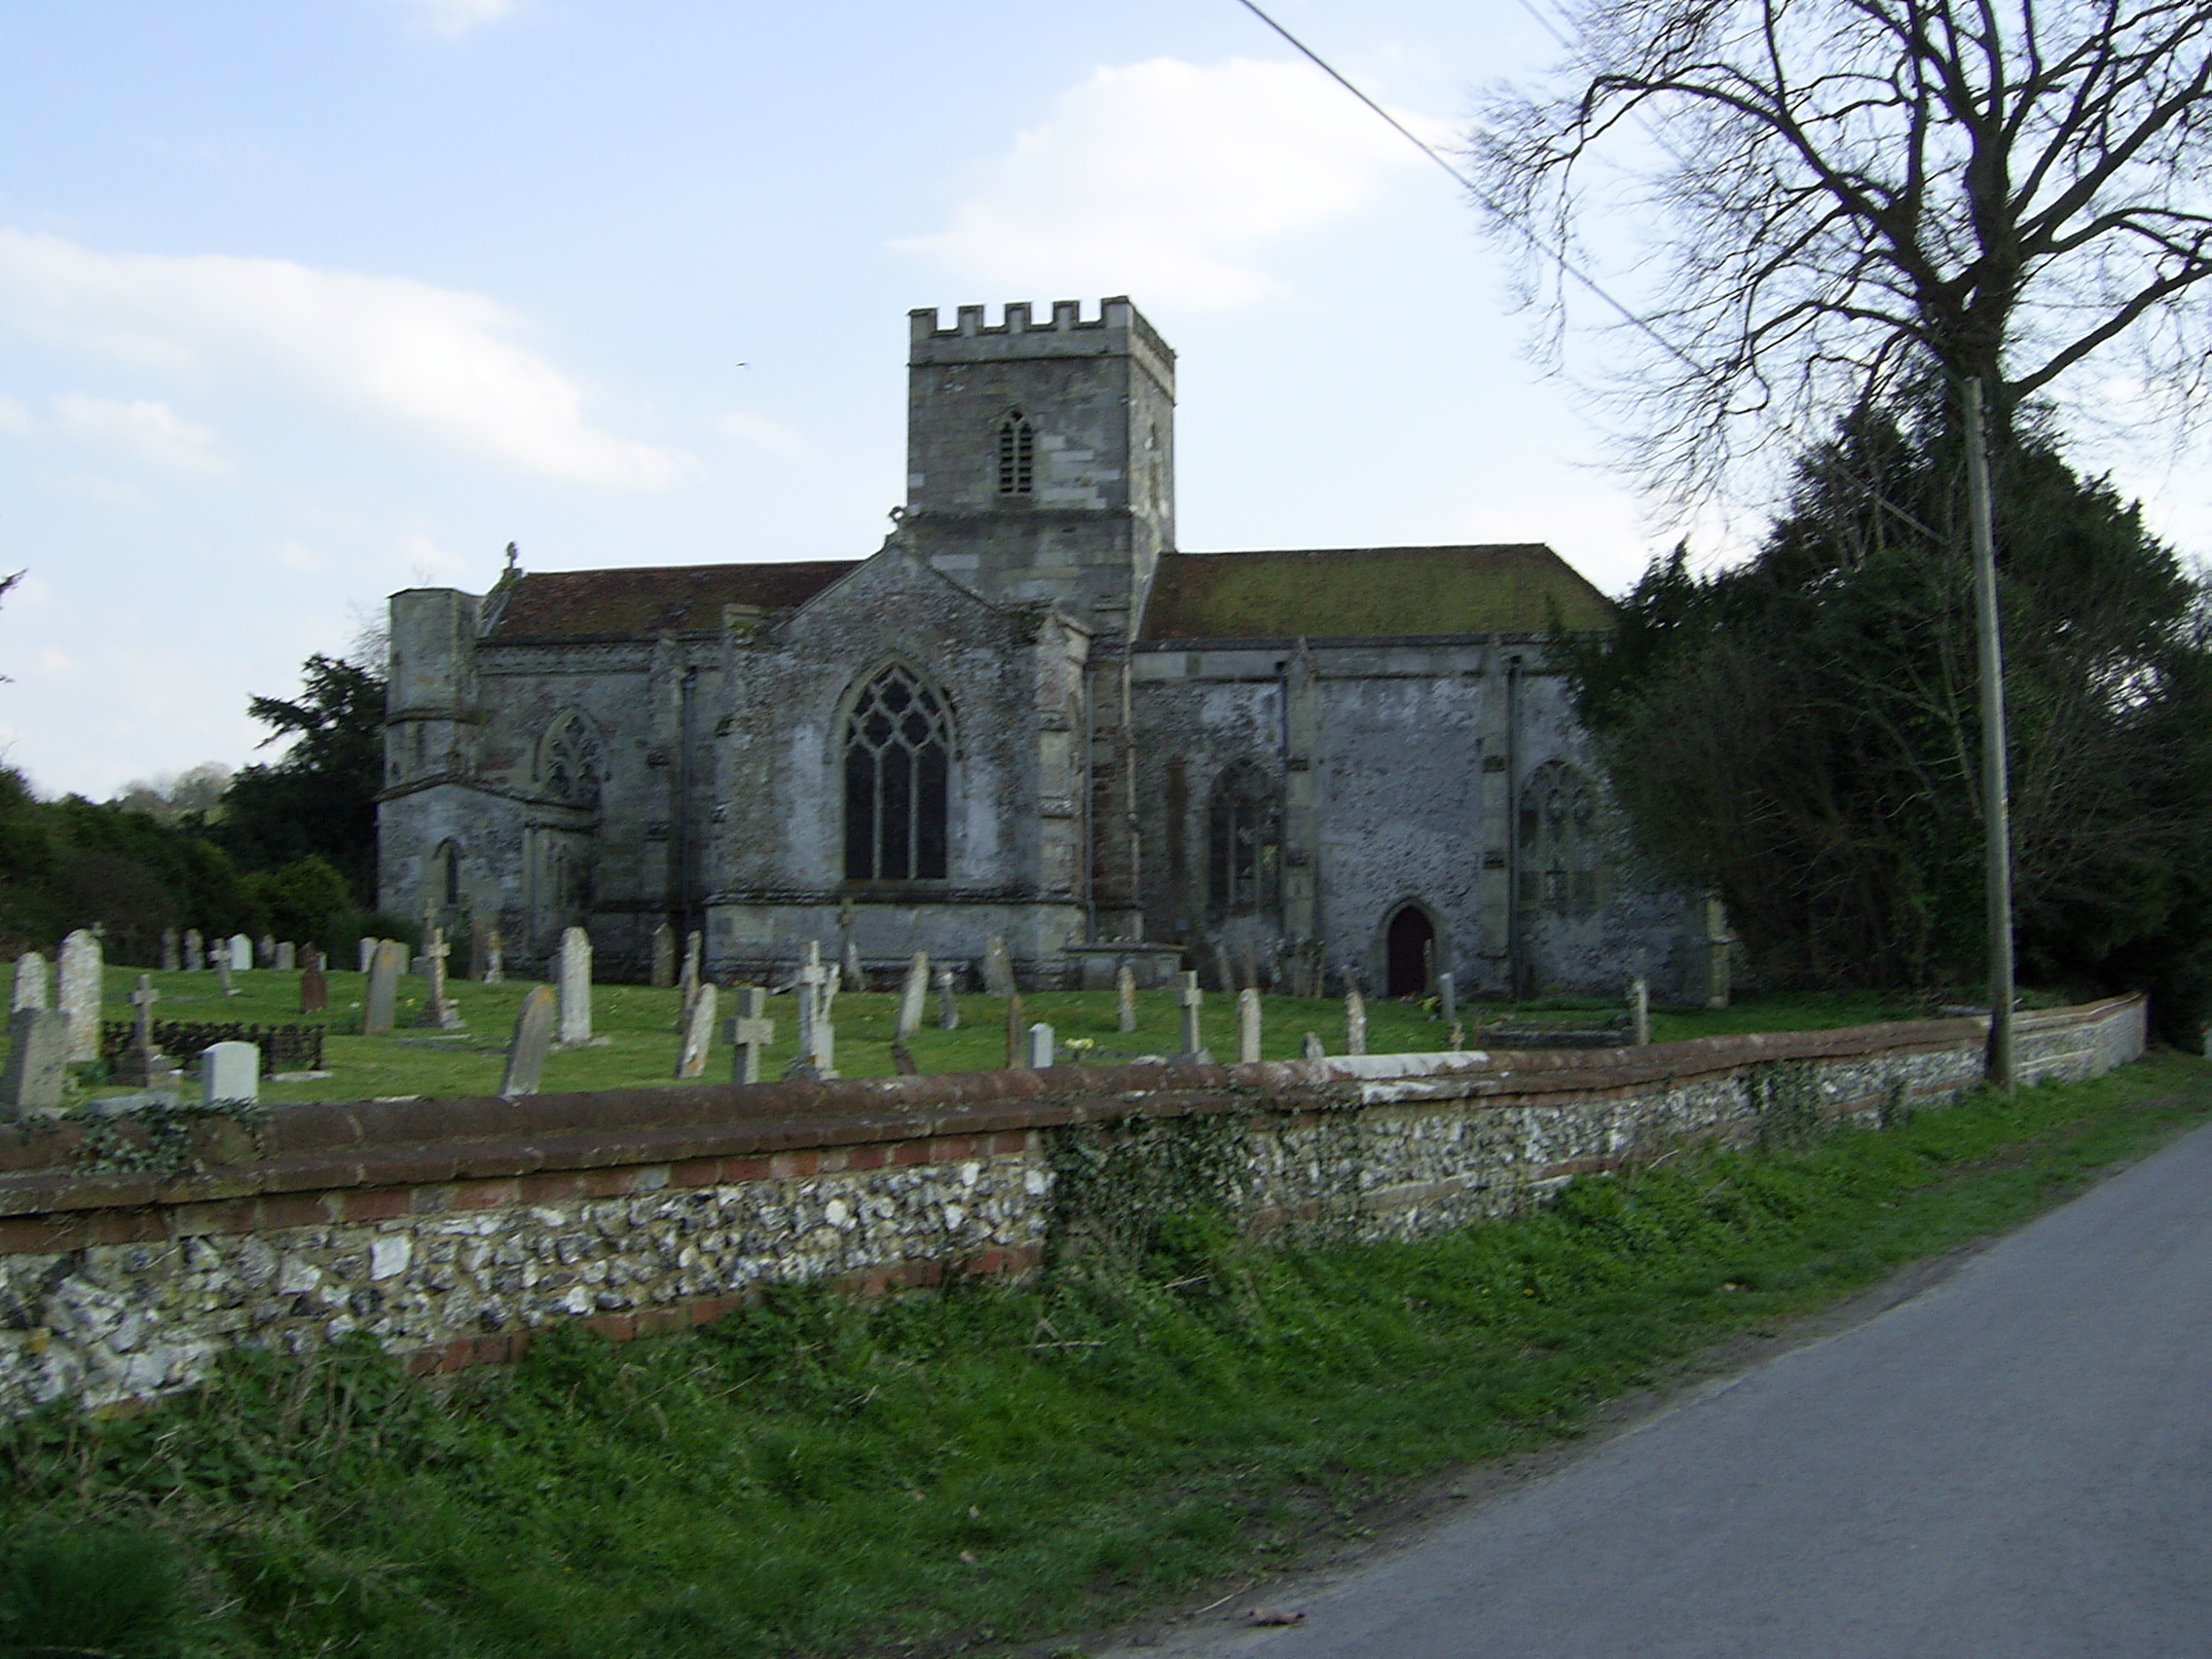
[[898, 765], [1244, 843], [574, 769], [1561, 850]]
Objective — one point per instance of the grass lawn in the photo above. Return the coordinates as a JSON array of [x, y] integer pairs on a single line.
[[958, 1472], [639, 1023]]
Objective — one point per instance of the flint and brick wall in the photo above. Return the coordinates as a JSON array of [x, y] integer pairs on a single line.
[[448, 1230]]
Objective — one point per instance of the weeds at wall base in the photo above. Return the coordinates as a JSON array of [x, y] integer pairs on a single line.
[[994, 1463]]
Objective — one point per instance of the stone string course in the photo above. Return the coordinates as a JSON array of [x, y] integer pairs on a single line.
[[448, 1230]]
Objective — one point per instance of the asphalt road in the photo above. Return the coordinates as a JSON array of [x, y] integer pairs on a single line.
[[2016, 1463]]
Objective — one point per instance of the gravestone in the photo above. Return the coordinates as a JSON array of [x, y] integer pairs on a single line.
[[1124, 998], [947, 1004], [379, 1001], [1191, 1002], [1312, 1046], [532, 1038], [1355, 1021], [32, 983], [1040, 1047], [438, 1009], [1640, 1013], [912, 995], [195, 951], [1017, 1031], [575, 987], [1247, 1026], [229, 1071], [1448, 998], [854, 976], [694, 966], [748, 1034], [80, 998], [806, 986], [38, 1059], [265, 951], [368, 951], [1251, 981], [698, 1034], [496, 960], [314, 984], [664, 957], [832, 985], [241, 953], [143, 1065], [998, 967], [223, 982], [1223, 970], [287, 957], [170, 955]]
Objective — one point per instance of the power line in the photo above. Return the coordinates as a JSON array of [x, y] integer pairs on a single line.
[[1555, 255]]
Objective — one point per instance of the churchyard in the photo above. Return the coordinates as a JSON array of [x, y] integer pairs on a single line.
[[635, 1037]]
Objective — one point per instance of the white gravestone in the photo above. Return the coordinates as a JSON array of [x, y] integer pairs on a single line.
[[947, 1004], [81, 995], [368, 951], [912, 995], [1124, 998], [380, 999], [229, 1071], [534, 1036], [1355, 1021], [287, 957], [241, 953], [1640, 1013], [575, 987], [1247, 1026], [1191, 1001], [195, 951], [38, 1060], [1040, 1047], [698, 1034], [33, 983], [1447, 998]]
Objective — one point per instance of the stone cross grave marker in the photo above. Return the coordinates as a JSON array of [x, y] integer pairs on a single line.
[[533, 1039], [380, 1000], [1016, 1029], [1313, 1049], [314, 984], [143, 1064], [265, 951], [664, 957], [195, 951], [31, 982], [1040, 1047], [817, 1036], [947, 1004], [575, 987], [998, 967], [287, 956], [171, 954], [229, 1072], [241, 953], [749, 1033], [1448, 998], [223, 982], [698, 1034], [438, 1009], [1191, 1001], [1247, 1026], [1640, 1013], [1356, 1020], [496, 960], [38, 1059], [911, 995], [856, 976], [81, 995], [1124, 998]]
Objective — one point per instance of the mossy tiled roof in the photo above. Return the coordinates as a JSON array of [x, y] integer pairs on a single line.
[[566, 604], [1370, 593]]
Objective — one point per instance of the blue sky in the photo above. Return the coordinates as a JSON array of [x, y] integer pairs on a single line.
[[303, 303]]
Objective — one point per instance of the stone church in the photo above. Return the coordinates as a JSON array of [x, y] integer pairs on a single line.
[[1030, 716]]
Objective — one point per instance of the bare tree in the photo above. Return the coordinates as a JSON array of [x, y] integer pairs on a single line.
[[1854, 195]]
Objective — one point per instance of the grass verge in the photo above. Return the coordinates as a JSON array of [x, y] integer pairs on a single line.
[[814, 1475]]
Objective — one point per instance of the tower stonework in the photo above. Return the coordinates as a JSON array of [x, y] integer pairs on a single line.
[[1040, 456]]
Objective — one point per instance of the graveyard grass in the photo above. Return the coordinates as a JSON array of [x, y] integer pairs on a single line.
[[996, 1465], [637, 1029]]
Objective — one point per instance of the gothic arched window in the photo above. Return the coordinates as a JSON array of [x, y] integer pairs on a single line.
[[447, 877], [1244, 843], [1018, 454], [573, 769], [1560, 851], [898, 757]]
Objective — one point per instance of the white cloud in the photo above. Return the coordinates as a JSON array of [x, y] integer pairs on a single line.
[[14, 417], [1165, 178], [761, 432], [152, 431], [450, 20], [296, 555], [438, 360]]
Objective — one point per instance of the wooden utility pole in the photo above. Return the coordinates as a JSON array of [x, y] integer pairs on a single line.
[[1997, 818]]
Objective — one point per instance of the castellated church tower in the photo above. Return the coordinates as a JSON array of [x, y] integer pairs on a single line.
[[1040, 456]]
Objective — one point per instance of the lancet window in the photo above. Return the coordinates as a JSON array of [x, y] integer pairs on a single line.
[[1018, 454], [1244, 843], [898, 768]]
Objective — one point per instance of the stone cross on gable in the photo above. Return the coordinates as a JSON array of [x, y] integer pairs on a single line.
[[749, 1033]]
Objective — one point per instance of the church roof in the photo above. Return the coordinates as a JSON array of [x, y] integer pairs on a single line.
[[563, 605], [1370, 593]]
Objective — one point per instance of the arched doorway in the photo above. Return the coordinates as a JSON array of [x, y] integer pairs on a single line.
[[1409, 943]]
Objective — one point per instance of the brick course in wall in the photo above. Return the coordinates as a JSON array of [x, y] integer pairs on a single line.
[[450, 1230]]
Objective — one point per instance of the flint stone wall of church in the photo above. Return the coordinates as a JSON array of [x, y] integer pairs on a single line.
[[448, 1231]]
